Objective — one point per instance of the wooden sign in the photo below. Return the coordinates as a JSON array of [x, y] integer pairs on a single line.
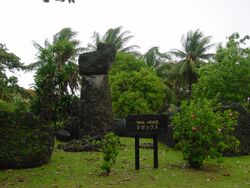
[[146, 125]]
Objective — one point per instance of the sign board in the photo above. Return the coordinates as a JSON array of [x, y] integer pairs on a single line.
[[146, 125]]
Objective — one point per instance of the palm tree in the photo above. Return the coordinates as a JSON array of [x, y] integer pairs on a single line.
[[63, 53], [116, 37], [56, 77], [195, 45], [154, 58]]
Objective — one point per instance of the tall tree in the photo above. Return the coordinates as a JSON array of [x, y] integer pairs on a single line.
[[114, 36], [229, 78], [8, 62], [56, 79], [195, 46], [154, 58]]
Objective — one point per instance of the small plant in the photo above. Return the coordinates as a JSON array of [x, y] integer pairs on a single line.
[[202, 133], [58, 125], [109, 149]]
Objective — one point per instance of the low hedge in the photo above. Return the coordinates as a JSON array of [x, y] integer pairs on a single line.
[[25, 141]]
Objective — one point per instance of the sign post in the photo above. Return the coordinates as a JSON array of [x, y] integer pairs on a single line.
[[137, 153], [146, 126], [155, 143]]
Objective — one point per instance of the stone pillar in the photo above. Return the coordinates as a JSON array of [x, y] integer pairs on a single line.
[[95, 102]]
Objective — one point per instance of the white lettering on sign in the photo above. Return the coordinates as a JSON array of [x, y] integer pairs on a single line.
[[149, 125]]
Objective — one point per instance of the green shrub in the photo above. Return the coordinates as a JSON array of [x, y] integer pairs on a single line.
[[110, 146], [203, 133]]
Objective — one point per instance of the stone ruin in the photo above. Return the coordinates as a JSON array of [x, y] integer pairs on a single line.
[[91, 117], [95, 102]]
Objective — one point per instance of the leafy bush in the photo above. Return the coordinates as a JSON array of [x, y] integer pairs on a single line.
[[203, 133], [110, 146]]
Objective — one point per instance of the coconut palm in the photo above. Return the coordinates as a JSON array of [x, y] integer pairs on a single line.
[[116, 37], [154, 58], [56, 77], [195, 46]]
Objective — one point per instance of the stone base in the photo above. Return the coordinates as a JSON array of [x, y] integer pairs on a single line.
[[95, 106]]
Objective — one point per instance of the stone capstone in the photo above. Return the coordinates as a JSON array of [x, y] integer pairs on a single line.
[[98, 62]]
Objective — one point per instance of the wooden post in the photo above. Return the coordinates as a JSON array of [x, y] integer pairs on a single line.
[[137, 153], [155, 143]]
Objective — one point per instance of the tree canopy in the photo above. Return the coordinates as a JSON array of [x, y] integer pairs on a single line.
[[135, 88], [114, 36], [56, 78], [195, 45], [229, 77]]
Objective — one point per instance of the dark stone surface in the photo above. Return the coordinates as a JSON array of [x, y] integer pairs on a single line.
[[75, 108], [63, 135], [81, 145], [119, 127], [72, 125], [95, 102], [98, 62], [168, 139]]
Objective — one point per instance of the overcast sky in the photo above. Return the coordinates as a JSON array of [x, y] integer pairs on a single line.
[[152, 22]]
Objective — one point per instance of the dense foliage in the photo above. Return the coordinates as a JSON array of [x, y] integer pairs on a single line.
[[135, 88], [203, 133], [229, 77], [114, 36], [56, 78], [8, 85]]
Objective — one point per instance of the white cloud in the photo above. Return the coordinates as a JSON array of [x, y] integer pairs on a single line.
[[152, 22]]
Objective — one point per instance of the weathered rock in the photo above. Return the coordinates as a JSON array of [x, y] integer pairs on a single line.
[[98, 62], [72, 125], [79, 146], [75, 108], [95, 103], [147, 145], [63, 135], [168, 138], [119, 127]]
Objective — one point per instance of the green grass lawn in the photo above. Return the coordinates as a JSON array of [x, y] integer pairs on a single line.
[[83, 170]]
